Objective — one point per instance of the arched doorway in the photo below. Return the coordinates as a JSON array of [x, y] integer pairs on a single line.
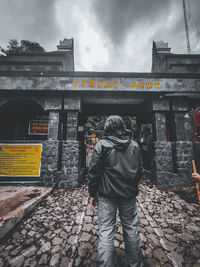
[[16, 116]]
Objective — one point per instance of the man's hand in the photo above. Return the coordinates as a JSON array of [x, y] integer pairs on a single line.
[[196, 177], [93, 202]]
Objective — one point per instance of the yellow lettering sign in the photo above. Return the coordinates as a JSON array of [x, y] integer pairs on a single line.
[[82, 83], [91, 83], [74, 83], [108, 84], [115, 84], [132, 84], [140, 84], [149, 84], [158, 84], [100, 83]]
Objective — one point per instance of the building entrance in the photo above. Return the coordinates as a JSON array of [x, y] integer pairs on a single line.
[[138, 123]]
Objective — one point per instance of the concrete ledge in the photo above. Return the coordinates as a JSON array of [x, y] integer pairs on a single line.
[[16, 203]]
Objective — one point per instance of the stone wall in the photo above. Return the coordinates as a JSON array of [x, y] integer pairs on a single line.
[[49, 162], [163, 163], [173, 163], [184, 156], [60, 163], [163, 153], [70, 168]]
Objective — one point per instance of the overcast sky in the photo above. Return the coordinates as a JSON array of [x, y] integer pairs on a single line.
[[109, 35]]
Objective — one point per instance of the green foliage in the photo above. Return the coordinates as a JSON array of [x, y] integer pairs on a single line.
[[26, 46], [12, 47], [88, 126], [95, 124], [32, 47]]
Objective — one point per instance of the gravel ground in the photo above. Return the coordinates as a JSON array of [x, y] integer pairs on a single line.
[[62, 231]]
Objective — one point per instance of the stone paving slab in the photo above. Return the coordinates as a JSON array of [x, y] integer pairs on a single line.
[[16, 202], [62, 231]]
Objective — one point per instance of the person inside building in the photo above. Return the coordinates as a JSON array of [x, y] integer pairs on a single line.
[[114, 172]]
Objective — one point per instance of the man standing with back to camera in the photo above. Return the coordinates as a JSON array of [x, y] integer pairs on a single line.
[[115, 169]]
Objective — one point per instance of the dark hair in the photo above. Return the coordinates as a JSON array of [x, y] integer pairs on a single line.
[[114, 126]]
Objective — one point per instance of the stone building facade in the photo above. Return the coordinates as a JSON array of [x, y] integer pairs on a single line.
[[45, 87]]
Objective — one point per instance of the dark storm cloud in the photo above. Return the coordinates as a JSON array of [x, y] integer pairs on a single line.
[[117, 17], [116, 35], [34, 20], [194, 21], [175, 34]]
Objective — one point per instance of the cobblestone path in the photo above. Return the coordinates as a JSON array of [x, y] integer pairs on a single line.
[[62, 231]]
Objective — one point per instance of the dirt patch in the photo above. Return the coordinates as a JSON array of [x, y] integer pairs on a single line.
[[16, 201], [57, 192], [189, 194]]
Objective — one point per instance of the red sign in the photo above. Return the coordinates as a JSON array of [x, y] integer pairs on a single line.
[[38, 127]]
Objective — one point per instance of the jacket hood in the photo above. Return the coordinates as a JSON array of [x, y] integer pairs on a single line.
[[119, 143]]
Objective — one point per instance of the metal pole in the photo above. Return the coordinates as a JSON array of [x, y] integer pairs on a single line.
[[186, 28]]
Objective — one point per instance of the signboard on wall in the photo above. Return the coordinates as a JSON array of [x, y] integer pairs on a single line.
[[20, 159], [38, 127]]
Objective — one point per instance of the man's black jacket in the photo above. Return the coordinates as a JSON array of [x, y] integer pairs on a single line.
[[115, 168]]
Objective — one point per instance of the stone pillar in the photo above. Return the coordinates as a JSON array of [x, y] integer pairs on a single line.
[[70, 168], [163, 163], [183, 120], [53, 106], [179, 126], [184, 141], [189, 127], [160, 107], [160, 126], [179, 110], [72, 105], [72, 125], [173, 159], [50, 173], [50, 151], [53, 127]]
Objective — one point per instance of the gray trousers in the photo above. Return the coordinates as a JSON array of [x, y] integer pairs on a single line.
[[107, 209]]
